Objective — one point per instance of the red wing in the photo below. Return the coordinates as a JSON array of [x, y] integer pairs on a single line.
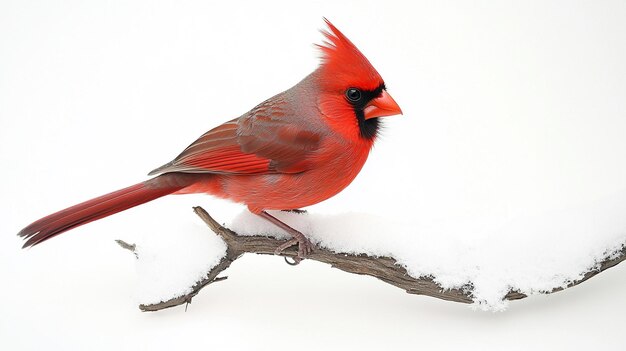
[[216, 151], [260, 142]]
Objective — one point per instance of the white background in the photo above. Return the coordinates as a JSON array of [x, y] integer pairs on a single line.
[[508, 107]]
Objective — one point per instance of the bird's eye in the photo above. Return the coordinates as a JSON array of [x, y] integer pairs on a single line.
[[353, 94]]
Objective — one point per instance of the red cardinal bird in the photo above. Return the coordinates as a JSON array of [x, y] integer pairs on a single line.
[[293, 150]]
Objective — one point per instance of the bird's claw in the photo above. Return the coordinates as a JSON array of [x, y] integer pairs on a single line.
[[304, 248], [295, 262]]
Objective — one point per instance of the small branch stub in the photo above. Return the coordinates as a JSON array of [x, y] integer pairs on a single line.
[[384, 268], [127, 246]]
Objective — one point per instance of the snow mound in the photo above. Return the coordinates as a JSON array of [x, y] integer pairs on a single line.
[[168, 266], [529, 254]]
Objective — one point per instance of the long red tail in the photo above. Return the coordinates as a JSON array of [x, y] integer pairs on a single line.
[[103, 206]]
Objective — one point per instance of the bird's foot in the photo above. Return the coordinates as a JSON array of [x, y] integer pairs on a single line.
[[295, 210], [305, 247]]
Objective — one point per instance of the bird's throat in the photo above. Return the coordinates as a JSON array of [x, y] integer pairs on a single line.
[[368, 128]]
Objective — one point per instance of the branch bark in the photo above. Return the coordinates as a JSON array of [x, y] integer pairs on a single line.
[[383, 268]]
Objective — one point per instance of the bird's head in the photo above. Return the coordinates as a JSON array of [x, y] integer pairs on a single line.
[[353, 94]]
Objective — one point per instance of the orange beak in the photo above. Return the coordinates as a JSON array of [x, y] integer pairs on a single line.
[[382, 106]]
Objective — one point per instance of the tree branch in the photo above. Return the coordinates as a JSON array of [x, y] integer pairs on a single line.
[[383, 268]]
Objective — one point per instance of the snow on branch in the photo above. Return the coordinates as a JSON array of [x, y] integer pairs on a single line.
[[383, 268]]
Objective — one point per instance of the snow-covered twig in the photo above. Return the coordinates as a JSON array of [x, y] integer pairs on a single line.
[[383, 268]]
